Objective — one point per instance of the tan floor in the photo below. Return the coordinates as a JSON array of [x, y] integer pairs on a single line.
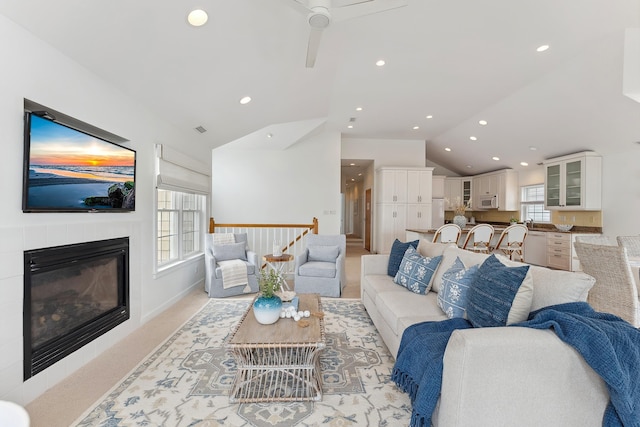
[[64, 403]]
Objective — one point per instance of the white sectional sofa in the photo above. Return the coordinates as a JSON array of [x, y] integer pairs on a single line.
[[494, 376]]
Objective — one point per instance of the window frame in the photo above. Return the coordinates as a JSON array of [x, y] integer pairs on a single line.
[[540, 201], [197, 230]]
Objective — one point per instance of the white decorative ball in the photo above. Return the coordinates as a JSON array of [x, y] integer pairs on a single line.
[[282, 314], [307, 313], [288, 315], [301, 314], [296, 317]]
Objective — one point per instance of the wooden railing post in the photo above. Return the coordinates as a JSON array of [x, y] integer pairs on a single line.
[[315, 225], [212, 225]]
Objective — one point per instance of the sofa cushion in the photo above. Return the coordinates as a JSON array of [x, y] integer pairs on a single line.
[[376, 283], [454, 293], [551, 287], [230, 251], [317, 269], [323, 253], [430, 249], [415, 272], [493, 299], [397, 253], [449, 256], [396, 305]]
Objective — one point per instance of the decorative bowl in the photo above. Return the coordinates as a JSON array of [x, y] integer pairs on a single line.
[[564, 227]]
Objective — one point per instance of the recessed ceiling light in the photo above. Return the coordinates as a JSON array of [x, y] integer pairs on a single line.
[[482, 122], [197, 17], [350, 127], [532, 148], [447, 149], [360, 174], [269, 135], [353, 179], [245, 100], [358, 108], [468, 166], [429, 116], [496, 158], [380, 62], [352, 164], [524, 164], [542, 48], [416, 127], [473, 138]]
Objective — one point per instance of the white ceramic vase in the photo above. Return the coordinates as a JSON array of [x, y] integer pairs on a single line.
[[460, 220]]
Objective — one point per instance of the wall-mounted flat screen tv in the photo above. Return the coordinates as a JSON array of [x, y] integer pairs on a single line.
[[67, 170]]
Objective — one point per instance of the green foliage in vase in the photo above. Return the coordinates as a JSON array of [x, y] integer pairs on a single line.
[[269, 282]]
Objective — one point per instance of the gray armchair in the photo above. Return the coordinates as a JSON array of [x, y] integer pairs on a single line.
[[214, 253], [320, 268]]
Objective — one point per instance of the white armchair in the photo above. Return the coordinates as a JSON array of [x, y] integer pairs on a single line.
[[320, 268], [213, 254]]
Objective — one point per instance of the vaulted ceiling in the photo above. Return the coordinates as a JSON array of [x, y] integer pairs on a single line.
[[459, 61]]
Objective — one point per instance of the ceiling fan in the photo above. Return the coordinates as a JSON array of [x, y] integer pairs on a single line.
[[321, 13]]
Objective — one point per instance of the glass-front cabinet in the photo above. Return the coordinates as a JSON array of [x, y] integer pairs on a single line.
[[574, 182]]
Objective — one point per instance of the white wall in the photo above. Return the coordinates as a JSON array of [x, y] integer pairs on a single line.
[[385, 152], [32, 69], [289, 186]]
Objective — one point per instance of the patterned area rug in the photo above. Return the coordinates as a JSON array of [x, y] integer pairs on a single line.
[[186, 380]]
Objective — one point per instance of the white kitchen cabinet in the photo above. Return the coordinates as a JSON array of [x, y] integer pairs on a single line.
[[561, 253], [391, 185], [391, 225], [535, 248], [574, 182], [502, 183], [419, 186], [419, 216], [437, 188], [452, 192], [397, 192], [457, 188]]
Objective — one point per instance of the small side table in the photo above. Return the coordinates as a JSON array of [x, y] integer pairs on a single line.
[[278, 263]]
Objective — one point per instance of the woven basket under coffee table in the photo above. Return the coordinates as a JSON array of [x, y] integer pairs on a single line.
[[278, 362]]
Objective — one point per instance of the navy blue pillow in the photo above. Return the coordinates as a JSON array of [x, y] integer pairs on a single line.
[[397, 253], [492, 291]]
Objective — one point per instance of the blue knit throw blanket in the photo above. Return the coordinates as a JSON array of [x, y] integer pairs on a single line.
[[608, 344]]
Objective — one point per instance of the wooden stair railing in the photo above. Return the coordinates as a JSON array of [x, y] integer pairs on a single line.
[[313, 228]]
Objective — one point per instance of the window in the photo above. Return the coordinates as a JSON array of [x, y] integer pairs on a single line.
[[532, 204], [180, 221]]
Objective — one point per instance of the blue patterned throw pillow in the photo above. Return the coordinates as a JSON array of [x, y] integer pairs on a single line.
[[454, 291], [416, 271], [492, 292], [397, 252]]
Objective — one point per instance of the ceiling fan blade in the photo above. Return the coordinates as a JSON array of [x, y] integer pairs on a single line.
[[312, 48], [356, 10], [300, 6]]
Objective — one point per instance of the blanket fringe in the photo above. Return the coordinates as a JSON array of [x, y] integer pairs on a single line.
[[405, 383]]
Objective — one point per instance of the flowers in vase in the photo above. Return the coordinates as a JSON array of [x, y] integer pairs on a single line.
[[459, 207]]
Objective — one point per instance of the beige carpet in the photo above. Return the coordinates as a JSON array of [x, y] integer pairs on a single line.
[[65, 402]]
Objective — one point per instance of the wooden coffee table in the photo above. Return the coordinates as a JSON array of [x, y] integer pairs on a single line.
[[278, 362]]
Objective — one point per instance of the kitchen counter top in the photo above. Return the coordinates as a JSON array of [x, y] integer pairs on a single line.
[[500, 227]]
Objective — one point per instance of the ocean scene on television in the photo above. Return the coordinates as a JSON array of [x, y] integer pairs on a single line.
[[72, 170]]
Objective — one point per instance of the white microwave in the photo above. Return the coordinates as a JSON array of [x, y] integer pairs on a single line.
[[489, 201]]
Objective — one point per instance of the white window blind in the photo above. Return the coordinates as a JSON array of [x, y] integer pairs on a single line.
[[179, 172]]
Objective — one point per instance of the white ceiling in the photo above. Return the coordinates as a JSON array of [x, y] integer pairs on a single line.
[[458, 60]]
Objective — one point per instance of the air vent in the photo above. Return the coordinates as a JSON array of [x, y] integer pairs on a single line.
[[201, 129]]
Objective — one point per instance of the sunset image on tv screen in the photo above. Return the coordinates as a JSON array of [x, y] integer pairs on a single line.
[[69, 169]]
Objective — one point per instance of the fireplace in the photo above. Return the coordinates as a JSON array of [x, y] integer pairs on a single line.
[[72, 295]]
